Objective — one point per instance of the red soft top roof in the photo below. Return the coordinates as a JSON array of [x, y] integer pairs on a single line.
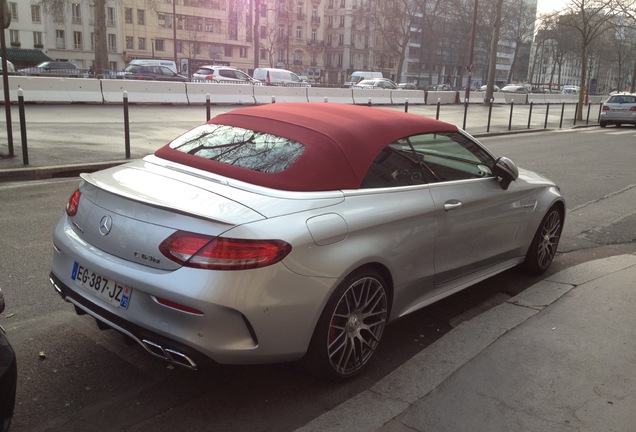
[[340, 142]]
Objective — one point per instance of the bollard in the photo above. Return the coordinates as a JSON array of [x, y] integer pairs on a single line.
[[576, 113], [465, 113], [369, 102], [600, 109], [530, 114], [547, 110], [512, 107], [207, 107], [489, 114], [439, 101], [126, 126], [273, 99], [406, 105], [326, 99], [562, 113], [23, 132], [587, 119]]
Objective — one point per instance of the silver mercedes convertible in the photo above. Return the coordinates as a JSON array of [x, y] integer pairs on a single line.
[[296, 231]]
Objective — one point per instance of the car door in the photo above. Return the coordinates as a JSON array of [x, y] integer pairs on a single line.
[[476, 221]]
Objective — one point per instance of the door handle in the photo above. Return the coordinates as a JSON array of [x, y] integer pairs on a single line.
[[452, 205]]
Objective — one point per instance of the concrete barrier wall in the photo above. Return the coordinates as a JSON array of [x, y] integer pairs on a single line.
[[220, 93], [377, 96], [399, 97], [337, 95], [264, 94], [39, 89], [444, 97], [144, 91]]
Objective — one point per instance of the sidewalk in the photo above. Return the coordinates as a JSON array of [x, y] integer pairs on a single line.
[[561, 356]]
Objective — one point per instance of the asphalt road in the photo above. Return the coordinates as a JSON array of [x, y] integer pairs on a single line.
[[74, 377]]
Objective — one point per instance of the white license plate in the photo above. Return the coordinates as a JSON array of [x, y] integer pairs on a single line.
[[107, 289]]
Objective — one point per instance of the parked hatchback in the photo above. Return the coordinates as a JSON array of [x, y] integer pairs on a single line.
[[53, 68], [222, 74], [151, 72], [377, 83], [619, 109]]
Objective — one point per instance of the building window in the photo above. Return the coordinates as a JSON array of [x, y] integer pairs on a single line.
[[299, 32], [130, 42], [76, 11], [35, 14], [110, 17], [60, 42], [37, 40], [341, 40], [141, 17], [141, 44], [227, 50], [92, 41], [14, 36], [342, 21], [159, 45], [314, 35], [263, 32], [243, 52], [113, 66], [13, 7], [128, 15], [112, 42], [263, 54], [77, 40]]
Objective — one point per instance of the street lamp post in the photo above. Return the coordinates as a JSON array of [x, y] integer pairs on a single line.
[[174, 29]]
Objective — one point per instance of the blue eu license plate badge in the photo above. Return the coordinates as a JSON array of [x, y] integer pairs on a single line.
[[125, 298]]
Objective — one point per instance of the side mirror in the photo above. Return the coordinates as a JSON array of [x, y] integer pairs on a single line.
[[506, 170]]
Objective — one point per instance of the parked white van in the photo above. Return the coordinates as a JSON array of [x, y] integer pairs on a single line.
[[278, 77], [358, 76], [170, 64]]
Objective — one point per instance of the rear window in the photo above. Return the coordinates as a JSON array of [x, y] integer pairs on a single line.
[[252, 150], [622, 99]]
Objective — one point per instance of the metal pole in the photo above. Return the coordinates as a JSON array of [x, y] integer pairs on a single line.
[[465, 113], [406, 105], [126, 126], [439, 101], [512, 107], [23, 132], [547, 111], [530, 114], [5, 81], [600, 108], [587, 119], [207, 106], [576, 110], [489, 115], [562, 113], [471, 50]]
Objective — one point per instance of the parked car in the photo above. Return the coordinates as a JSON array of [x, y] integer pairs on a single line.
[[571, 90], [214, 73], [170, 64], [10, 67], [358, 76], [376, 83], [515, 89], [8, 376], [619, 109], [407, 86], [151, 72], [278, 77], [296, 230], [53, 68], [485, 87]]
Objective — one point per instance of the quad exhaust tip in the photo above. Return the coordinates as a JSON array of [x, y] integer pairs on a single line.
[[169, 355]]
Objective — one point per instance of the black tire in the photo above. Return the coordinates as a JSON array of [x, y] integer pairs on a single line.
[[603, 124], [350, 327], [544, 245]]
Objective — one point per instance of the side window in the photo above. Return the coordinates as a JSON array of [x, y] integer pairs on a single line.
[[452, 156], [428, 158]]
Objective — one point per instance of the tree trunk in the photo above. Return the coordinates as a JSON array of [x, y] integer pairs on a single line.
[[101, 44], [492, 61]]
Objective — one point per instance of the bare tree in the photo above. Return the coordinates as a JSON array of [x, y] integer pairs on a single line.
[[518, 27], [590, 19], [493, 51]]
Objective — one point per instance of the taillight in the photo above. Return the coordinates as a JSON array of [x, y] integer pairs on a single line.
[[210, 77], [220, 253], [606, 108], [632, 108], [73, 203]]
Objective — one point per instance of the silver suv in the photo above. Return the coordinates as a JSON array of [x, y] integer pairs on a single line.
[[222, 74], [620, 108]]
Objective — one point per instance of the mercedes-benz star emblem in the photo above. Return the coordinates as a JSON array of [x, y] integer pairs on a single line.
[[105, 225]]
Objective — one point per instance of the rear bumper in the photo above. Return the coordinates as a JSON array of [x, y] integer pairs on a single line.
[[154, 343]]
